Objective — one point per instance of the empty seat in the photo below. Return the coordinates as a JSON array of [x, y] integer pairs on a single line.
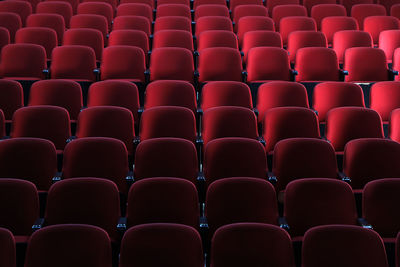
[[360, 247], [135, 9], [309, 4], [220, 64], [214, 9], [198, 3], [113, 3], [123, 62], [396, 63], [253, 23], [37, 163], [62, 8], [278, 94], [91, 201], [225, 93], [99, 8], [91, 21], [347, 123], [362, 11], [52, 21], [171, 93], [100, 157], [171, 63], [234, 157], [257, 200], [86, 37], [62, 93], [273, 3], [4, 37], [168, 121], [234, 3], [69, 245], [370, 159], [380, 206], [73, 3], [383, 98], [321, 11], [249, 10], [217, 38], [240, 244], [268, 64], [260, 38], [394, 10], [329, 95], [318, 201], [166, 2], [287, 10], [331, 25], [389, 40], [13, 62], [163, 200], [183, 242], [288, 25], [300, 39], [19, 207], [10, 21], [11, 97], [173, 38], [229, 121], [47, 122], [172, 23], [343, 40], [107, 121], [166, 157], [73, 62], [288, 122], [365, 64], [22, 8], [209, 23], [150, 3], [45, 37], [297, 158], [374, 25], [7, 241], [115, 93], [132, 23], [171, 9], [130, 37]]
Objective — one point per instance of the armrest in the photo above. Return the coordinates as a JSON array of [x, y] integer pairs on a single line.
[[121, 226], [392, 73], [147, 76], [344, 178], [293, 74], [244, 76], [196, 53], [46, 73], [283, 223], [129, 178], [316, 112], [342, 74], [272, 179], [200, 111], [57, 177], [97, 74], [38, 224], [255, 110], [203, 223], [70, 139], [261, 140], [136, 140], [364, 223]]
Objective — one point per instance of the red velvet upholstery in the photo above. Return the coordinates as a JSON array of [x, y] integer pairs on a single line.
[[297, 158], [173, 38], [319, 11], [296, 23], [209, 23], [245, 244], [234, 157], [211, 9], [288, 122], [166, 157], [362, 11], [370, 159], [132, 23], [343, 40], [45, 37], [374, 25], [287, 10], [260, 38], [11, 97], [135, 9], [240, 199], [100, 157], [389, 40], [69, 245], [52, 21], [168, 121], [19, 206], [358, 247], [163, 200], [300, 39], [10, 21], [172, 23], [331, 25], [31, 159], [22, 8], [253, 23], [217, 38], [171, 93], [383, 98], [174, 244], [86, 37], [91, 21], [173, 9], [7, 253], [329, 95], [63, 8], [347, 123], [97, 8], [47, 122]]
